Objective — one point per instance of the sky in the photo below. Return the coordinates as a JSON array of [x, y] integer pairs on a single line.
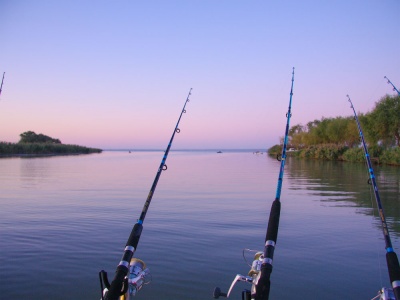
[[116, 74]]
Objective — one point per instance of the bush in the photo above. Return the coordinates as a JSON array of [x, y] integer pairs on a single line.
[[274, 150], [354, 154], [391, 156], [324, 151], [44, 149]]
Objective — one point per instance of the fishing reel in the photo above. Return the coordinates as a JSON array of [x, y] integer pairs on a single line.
[[138, 276], [385, 294], [252, 277]]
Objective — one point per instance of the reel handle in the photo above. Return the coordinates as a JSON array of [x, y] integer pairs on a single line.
[[217, 293]]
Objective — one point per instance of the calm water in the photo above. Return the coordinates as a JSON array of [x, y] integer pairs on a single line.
[[63, 219]]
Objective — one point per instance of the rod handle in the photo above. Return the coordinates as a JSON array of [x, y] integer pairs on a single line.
[[273, 222], [264, 283], [394, 272]]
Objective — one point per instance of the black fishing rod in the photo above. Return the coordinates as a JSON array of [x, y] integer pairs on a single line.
[[263, 283], [1, 86], [137, 269], [391, 257], [261, 268], [394, 88]]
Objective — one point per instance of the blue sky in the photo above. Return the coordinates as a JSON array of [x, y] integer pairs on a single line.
[[115, 74]]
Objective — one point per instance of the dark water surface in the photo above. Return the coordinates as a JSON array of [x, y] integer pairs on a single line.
[[63, 219]]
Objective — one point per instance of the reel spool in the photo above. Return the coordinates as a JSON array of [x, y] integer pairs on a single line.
[[138, 273]]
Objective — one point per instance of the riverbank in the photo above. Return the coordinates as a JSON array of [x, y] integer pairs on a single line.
[[43, 149], [378, 154]]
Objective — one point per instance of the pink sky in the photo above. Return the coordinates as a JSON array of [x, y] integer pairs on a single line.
[[111, 75]]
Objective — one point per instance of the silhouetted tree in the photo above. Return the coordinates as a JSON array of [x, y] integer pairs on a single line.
[[32, 137]]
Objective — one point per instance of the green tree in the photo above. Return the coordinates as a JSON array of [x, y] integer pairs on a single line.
[[320, 132], [381, 125], [335, 130], [385, 120], [296, 134], [311, 137], [32, 137], [352, 138]]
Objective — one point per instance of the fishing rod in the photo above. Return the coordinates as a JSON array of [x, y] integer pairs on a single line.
[[394, 88], [391, 257], [263, 279], [261, 267], [1, 86], [125, 286]]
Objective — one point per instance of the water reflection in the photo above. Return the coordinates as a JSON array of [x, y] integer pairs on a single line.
[[33, 171], [346, 184], [76, 213]]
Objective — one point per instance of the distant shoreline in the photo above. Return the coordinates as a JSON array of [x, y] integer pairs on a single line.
[[190, 150], [378, 155], [32, 155], [43, 149]]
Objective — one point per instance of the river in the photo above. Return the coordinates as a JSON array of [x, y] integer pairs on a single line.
[[65, 218]]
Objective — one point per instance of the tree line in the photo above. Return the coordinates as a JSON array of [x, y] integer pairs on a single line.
[[31, 143], [381, 127], [338, 138], [32, 137]]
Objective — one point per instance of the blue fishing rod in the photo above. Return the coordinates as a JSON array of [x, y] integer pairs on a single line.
[[1, 86], [263, 281], [394, 88], [124, 285], [391, 257], [261, 267]]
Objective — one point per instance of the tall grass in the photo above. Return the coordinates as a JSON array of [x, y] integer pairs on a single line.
[[378, 154], [325, 152], [43, 149]]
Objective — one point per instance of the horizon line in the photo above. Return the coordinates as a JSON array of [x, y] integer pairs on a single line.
[[186, 149]]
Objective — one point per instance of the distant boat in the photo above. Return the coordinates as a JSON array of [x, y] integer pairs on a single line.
[[219, 152]]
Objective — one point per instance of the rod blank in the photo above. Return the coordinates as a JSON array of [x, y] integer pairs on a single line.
[[117, 286], [263, 284], [391, 257]]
